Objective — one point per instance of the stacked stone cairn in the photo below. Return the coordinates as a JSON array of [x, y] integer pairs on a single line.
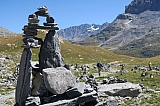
[[47, 82]]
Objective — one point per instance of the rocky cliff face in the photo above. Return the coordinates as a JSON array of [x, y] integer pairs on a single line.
[[81, 32], [130, 27], [5, 32], [139, 6], [134, 34], [129, 33]]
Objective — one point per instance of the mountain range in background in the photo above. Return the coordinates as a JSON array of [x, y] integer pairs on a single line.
[[6, 32], [135, 32], [81, 32]]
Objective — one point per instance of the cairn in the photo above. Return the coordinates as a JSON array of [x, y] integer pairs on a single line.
[[52, 83]]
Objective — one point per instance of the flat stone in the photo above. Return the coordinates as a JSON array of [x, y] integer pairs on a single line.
[[45, 27], [42, 13], [87, 97], [49, 24], [121, 89], [28, 36], [30, 33]]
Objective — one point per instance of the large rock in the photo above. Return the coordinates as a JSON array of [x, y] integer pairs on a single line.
[[121, 89], [24, 83], [50, 56], [58, 80]]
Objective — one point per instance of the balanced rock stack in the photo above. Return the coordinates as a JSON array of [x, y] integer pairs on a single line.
[[52, 84]]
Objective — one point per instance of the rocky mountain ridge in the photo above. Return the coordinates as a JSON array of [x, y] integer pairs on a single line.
[[6, 32], [128, 28], [81, 32], [139, 6], [147, 46]]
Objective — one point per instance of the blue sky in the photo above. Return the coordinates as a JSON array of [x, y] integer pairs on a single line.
[[14, 13]]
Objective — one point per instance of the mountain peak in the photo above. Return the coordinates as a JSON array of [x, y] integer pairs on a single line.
[[139, 6]]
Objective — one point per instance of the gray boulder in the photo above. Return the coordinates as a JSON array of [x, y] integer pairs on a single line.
[[121, 89], [58, 80], [50, 56]]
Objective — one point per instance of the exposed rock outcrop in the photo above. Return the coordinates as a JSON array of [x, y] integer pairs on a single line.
[[139, 6], [81, 32], [134, 32]]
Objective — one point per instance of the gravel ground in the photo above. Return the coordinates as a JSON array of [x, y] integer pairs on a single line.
[[9, 98]]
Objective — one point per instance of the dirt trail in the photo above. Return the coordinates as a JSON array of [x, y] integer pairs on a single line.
[[102, 74]]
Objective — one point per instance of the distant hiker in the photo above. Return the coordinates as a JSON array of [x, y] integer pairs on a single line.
[[150, 65], [122, 68], [157, 70], [99, 66]]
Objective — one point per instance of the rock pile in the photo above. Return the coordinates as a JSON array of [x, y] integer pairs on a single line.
[[52, 84], [7, 78]]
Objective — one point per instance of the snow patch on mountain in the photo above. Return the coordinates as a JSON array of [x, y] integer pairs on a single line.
[[92, 28]]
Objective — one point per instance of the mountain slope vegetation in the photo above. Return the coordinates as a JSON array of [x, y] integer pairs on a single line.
[[72, 53]]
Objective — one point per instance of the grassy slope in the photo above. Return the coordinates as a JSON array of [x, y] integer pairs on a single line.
[[73, 53]]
